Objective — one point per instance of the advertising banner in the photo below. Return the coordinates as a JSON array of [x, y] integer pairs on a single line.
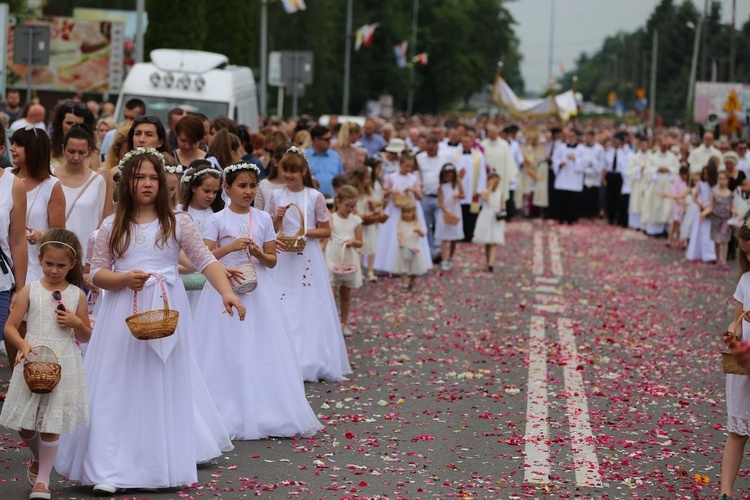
[[711, 97]]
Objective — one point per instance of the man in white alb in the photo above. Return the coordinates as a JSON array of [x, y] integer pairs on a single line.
[[500, 158], [699, 157]]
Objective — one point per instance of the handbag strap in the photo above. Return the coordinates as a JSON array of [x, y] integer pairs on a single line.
[[80, 193], [30, 207]]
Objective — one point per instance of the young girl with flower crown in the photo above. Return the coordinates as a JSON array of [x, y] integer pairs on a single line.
[[370, 208], [305, 297], [152, 417], [57, 316], [199, 197], [449, 224], [241, 235]]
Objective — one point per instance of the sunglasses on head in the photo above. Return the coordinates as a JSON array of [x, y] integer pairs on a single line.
[[147, 119], [57, 295], [75, 105]]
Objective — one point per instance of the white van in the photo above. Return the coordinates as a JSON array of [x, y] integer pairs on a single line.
[[203, 82]]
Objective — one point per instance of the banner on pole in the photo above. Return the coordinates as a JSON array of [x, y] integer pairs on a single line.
[[400, 53], [364, 35]]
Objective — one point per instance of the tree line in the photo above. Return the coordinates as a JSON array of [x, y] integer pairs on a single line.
[[464, 40], [623, 63]]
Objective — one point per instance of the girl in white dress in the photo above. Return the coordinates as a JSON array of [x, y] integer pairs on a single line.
[[410, 259], [200, 198], [490, 228], [738, 386], [306, 301], [45, 201], [370, 208], [57, 317], [152, 417], [274, 177], [449, 225], [267, 394], [701, 246], [341, 251], [691, 209], [83, 188], [403, 182]]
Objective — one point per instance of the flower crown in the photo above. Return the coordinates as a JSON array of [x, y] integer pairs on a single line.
[[139, 152], [173, 170], [297, 151], [191, 177], [747, 222], [242, 166]]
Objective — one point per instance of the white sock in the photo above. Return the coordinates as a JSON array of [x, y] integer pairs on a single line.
[[33, 444], [47, 454]]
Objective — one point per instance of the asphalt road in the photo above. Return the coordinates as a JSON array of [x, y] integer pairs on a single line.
[[587, 366]]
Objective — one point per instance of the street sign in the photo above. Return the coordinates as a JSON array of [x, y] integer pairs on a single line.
[[297, 66], [31, 45], [274, 69]]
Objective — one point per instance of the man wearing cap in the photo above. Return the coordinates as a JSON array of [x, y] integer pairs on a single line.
[[391, 154], [371, 140], [662, 168], [699, 157], [325, 163], [472, 171], [500, 159], [430, 162]]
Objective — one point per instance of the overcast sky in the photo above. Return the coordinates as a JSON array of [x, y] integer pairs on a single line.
[[581, 26]]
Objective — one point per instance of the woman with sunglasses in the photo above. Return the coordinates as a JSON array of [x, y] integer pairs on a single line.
[[68, 115], [45, 201]]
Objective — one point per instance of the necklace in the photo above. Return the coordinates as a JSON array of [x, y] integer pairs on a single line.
[[140, 238]]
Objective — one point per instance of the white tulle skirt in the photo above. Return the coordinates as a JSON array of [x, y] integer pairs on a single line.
[[250, 366]]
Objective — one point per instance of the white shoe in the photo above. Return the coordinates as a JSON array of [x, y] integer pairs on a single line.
[[445, 266], [347, 331], [104, 489]]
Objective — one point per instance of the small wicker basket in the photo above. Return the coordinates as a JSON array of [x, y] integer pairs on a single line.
[[153, 324], [401, 200], [728, 361], [249, 279], [42, 376], [295, 244]]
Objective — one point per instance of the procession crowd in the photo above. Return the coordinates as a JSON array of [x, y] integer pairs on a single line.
[[252, 244]]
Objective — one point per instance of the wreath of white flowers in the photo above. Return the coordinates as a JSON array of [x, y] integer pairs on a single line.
[[139, 152], [191, 177], [298, 151], [173, 170], [242, 166]]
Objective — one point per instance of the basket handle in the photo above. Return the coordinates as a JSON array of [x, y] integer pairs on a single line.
[[737, 324], [163, 294], [48, 347], [301, 231]]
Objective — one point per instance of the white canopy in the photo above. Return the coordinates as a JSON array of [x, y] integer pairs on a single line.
[[563, 105]]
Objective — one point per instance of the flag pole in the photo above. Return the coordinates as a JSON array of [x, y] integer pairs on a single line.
[[494, 86], [347, 57], [414, 20], [264, 60]]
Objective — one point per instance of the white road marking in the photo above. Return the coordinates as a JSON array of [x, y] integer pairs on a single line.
[[554, 254], [537, 465], [548, 281], [582, 439], [537, 266], [547, 289]]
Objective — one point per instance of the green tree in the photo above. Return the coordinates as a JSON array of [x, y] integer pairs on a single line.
[[170, 27], [228, 30]]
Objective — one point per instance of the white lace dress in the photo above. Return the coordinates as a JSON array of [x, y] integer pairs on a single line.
[[738, 386], [66, 407], [152, 417], [305, 295], [250, 366], [37, 216], [449, 232], [195, 282]]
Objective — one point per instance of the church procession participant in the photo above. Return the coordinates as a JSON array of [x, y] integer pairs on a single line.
[[634, 176], [430, 162], [500, 159], [662, 167], [593, 161], [472, 171], [568, 179]]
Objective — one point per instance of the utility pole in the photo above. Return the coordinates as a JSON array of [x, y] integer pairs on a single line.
[[731, 42], [652, 90], [140, 9], [347, 57], [551, 40], [694, 64], [414, 19], [264, 58]]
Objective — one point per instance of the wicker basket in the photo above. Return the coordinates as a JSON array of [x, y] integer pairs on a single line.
[[451, 219], [249, 279], [42, 376], [401, 200], [729, 363], [153, 324], [345, 265], [295, 244]]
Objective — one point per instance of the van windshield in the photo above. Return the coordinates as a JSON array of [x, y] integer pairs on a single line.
[[160, 106]]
